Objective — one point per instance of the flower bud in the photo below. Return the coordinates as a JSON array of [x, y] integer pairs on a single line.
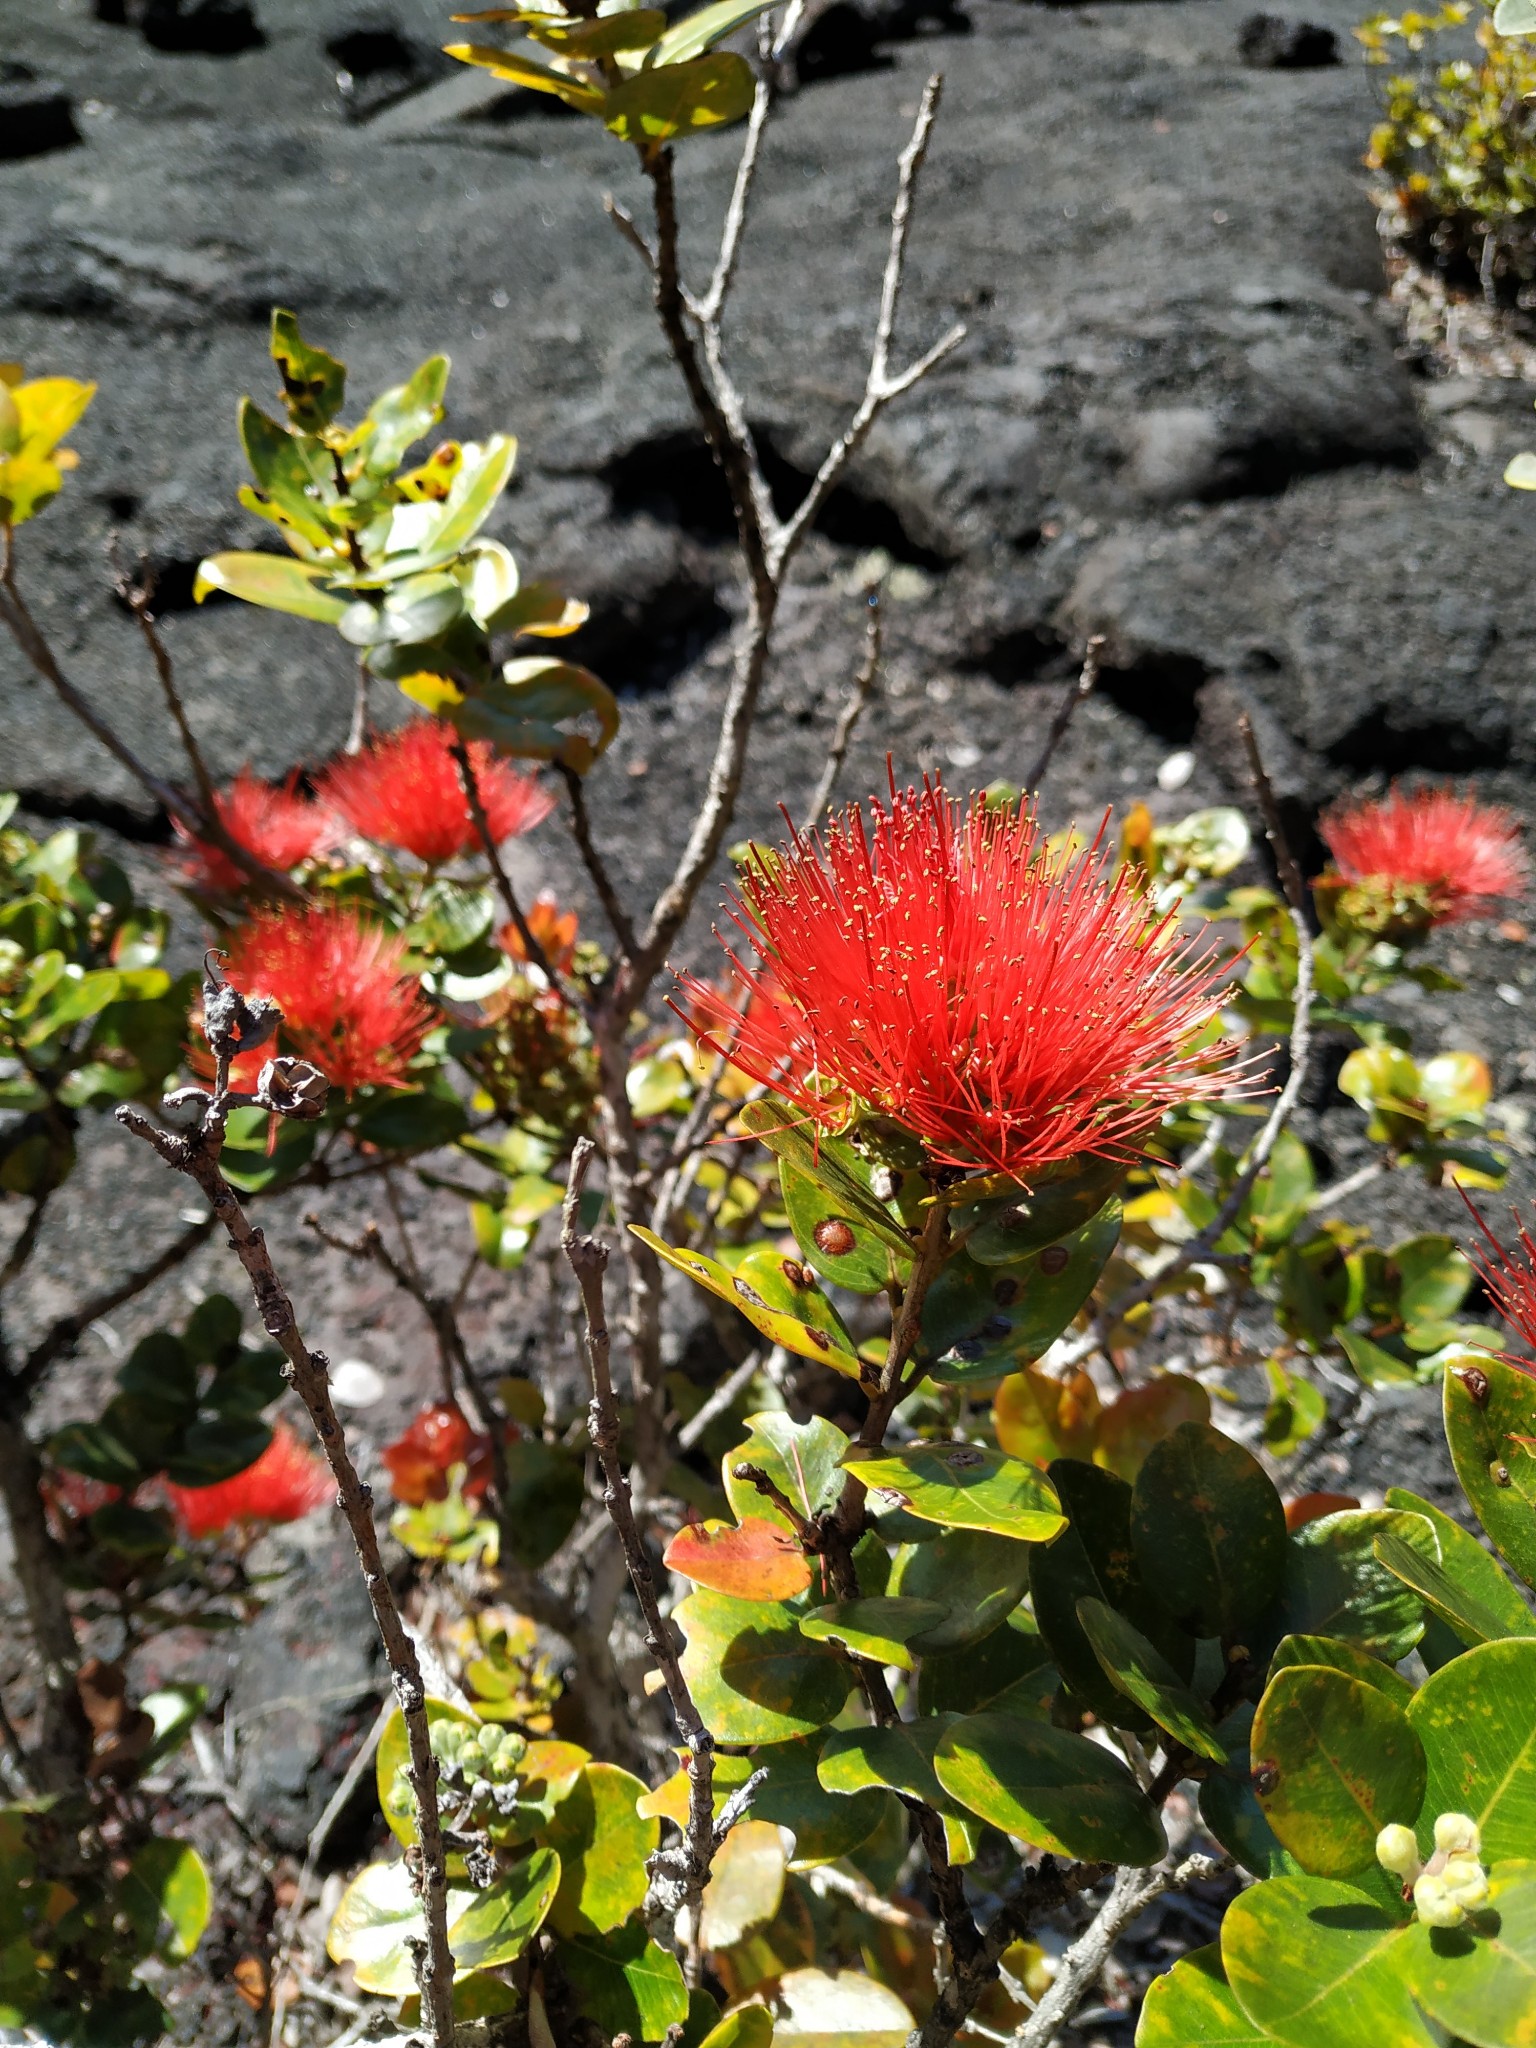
[[1465, 1881], [1456, 1834], [291, 1087], [1435, 1906], [1397, 1850]]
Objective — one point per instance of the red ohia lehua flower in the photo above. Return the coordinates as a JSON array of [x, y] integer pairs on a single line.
[[1510, 1278], [1010, 1008], [405, 791], [286, 1483], [276, 824], [1457, 853], [437, 1438], [336, 978]]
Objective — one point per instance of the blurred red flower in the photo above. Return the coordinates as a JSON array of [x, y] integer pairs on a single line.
[[336, 978], [287, 1482], [1460, 852], [277, 825], [1009, 1007], [438, 1437], [72, 1497], [404, 791], [1510, 1278], [554, 928]]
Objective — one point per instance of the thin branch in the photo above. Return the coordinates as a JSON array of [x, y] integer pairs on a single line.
[[533, 951], [308, 1373], [735, 1382], [707, 310], [677, 1877], [138, 594], [1351, 1184], [625, 222], [1079, 693], [25, 1243], [847, 1884], [597, 869], [1130, 1895], [853, 710], [357, 731], [881, 386]]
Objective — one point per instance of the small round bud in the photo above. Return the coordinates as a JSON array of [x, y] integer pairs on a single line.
[[1456, 1834], [1435, 1906], [1398, 1851], [1466, 1882]]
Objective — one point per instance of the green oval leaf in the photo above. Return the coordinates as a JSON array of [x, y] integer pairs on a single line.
[[1194, 2006], [625, 1982], [680, 98], [1334, 1761], [983, 1321], [1477, 1575], [1054, 1789], [1317, 1964], [801, 1458], [813, 1329], [602, 1843], [377, 1914], [1474, 1717], [899, 1758], [1490, 1425], [1208, 1530], [1336, 1586], [1481, 1983], [754, 1677], [880, 1628], [832, 1233], [976, 1579], [695, 32], [963, 1486], [1134, 1667], [1346, 1657], [826, 1825], [276, 582], [1463, 1614], [505, 1918], [1025, 1220], [168, 1897]]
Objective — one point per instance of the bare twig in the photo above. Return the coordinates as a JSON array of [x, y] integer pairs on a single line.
[[852, 711], [308, 1373], [138, 594], [734, 1383], [533, 951], [1337, 1190], [63, 1739], [1130, 1895], [25, 1242], [1079, 693], [829, 1878], [596, 867], [357, 731], [678, 1878]]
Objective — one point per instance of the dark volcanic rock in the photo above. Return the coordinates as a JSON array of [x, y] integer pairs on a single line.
[[34, 116], [1274, 42]]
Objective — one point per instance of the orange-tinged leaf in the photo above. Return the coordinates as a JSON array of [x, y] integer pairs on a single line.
[[1311, 1507], [757, 1561]]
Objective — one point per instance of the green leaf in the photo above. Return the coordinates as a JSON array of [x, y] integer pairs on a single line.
[[1208, 1530], [1024, 1221], [823, 1161], [523, 71], [1477, 1575], [962, 1486], [826, 1826], [1334, 1761], [1297, 1410], [693, 35], [680, 98], [545, 1493], [1094, 1559], [377, 1914], [1056, 1790], [1490, 1425], [754, 1677], [975, 1579], [1318, 1964], [1463, 1614], [1481, 1984], [833, 1236], [750, 2026], [215, 1448], [131, 1532], [1375, 1366], [1346, 1657], [1193, 2006], [624, 1982], [899, 1758], [1009, 1669], [505, 1918], [522, 715], [274, 581], [982, 1321], [96, 1452], [1516, 18], [484, 475], [762, 1289], [314, 383], [1336, 1586], [1230, 1809], [881, 1629], [1142, 1416], [1134, 1667], [212, 1334], [400, 416], [296, 492], [603, 1844], [1474, 1719], [173, 1710], [802, 1459], [167, 1896]]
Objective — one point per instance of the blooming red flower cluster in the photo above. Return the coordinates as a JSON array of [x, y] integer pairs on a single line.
[[1461, 853], [1010, 1008], [336, 978], [404, 791], [1510, 1278], [286, 1483], [437, 1438], [277, 825]]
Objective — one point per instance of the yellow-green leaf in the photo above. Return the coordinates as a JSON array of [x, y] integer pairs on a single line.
[[680, 98]]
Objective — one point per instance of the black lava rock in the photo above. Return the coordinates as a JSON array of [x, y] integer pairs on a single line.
[[34, 116], [1274, 42]]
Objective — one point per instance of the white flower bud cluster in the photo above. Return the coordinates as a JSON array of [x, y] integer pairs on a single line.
[[1453, 1883]]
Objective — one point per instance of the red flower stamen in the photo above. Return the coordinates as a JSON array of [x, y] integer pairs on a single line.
[[277, 826], [1009, 1007], [1462, 853], [1510, 1278], [336, 978], [404, 791], [286, 1483]]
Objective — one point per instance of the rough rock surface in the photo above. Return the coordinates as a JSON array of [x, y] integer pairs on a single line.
[[1182, 419]]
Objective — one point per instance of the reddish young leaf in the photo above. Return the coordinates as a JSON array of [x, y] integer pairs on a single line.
[[758, 1561], [1311, 1507]]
